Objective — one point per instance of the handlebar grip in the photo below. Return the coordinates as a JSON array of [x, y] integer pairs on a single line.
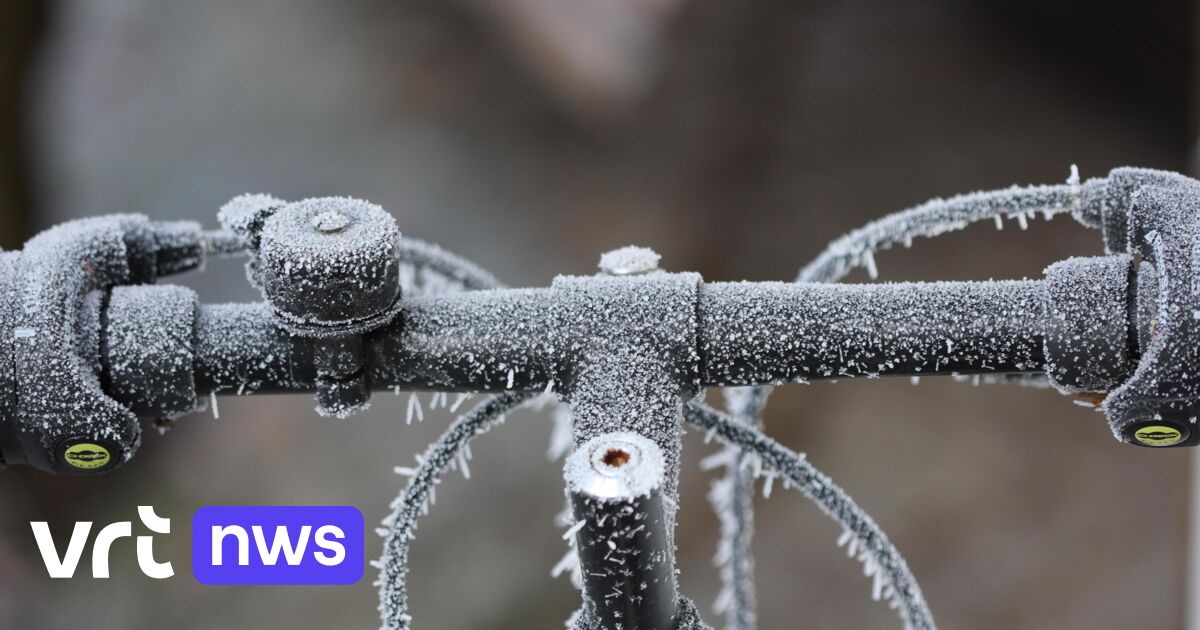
[[1089, 336], [148, 349], [56, 412]]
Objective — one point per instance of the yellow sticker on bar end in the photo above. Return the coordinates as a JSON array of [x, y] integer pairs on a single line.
[[87, 456], [1158, 435]]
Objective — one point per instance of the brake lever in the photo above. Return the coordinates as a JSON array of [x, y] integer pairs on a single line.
[[58, 416], [1154, 216]]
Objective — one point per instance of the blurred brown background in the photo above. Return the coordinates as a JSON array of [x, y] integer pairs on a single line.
[[735, 138]]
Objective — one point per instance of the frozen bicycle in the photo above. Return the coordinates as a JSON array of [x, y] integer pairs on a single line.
[[89, 345]]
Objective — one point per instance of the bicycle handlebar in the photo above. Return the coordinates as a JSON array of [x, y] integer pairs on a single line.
[[748, 334], [86, 345]]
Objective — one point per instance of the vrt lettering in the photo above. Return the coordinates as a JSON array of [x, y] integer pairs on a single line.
[[63, 565]]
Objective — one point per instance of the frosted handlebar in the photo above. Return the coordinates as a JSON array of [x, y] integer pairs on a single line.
[[746, 333]]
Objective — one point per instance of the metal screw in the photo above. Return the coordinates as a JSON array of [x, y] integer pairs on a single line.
[[629, 261], [330, 222]]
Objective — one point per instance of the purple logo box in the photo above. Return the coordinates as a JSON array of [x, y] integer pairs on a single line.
[[278, 544]]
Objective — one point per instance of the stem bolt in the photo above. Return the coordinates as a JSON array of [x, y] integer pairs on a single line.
[[330, 222], [629, 261]]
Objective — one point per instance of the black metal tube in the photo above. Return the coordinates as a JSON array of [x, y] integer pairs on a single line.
[[476, 341], [626, 556], [239, 348], [761, 333], [493, 341], [747, 333]]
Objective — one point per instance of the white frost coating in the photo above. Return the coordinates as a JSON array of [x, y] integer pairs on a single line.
[[632, 328], [570, 533], [421, 255], [731, 497], [459, 400], [868, 261], [414, 409], [331, 281], [629, 260], [640, 472], [330, 221], [1087, 345], [223, 243], [560, 434], [840, 340], [569, 563], [939, 216], [244, 213], [561, 441]]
